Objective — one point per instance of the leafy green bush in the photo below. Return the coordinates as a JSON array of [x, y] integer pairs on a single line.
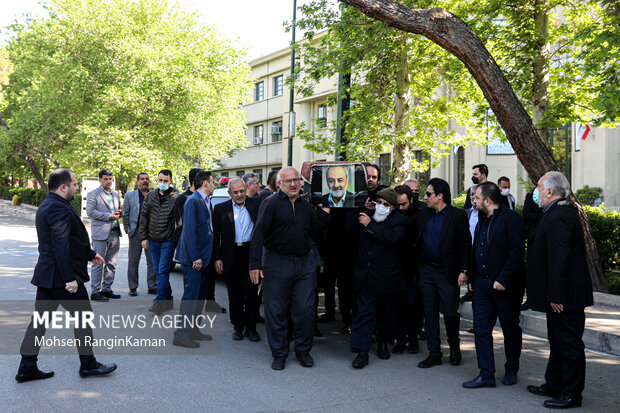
[[32, 196], [459, 201], [614, 285], [587, 195], [605, 226]]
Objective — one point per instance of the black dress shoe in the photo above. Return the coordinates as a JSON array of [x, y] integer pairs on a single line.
[[305, 359], [200, 336], [110, 294], [168, 304], [430, 361], [185, 342], [278, 363], [157, 307], [399, 348], [422, 335], [98, 297], [152, 291], [133, 292], [541, 391], [327, 318], [382, 351], [455, 356], [237, 335], [346, 329], [33, 375], [414, 347], [478, 383], [361, 360], [509, 379], [100, 370], [252, 335], [563, 402]]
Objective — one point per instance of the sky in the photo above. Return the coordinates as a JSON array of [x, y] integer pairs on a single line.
[[257, 25]]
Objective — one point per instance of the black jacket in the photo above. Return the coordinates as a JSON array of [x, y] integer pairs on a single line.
[[224, 229], [262, 195], [378, 258], [64, 246], [177, 212], [157, 217], [506, 243], [532, 214], [455, 239], [557, 270]]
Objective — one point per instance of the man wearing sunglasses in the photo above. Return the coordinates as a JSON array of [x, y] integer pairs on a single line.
[[283, 254], [443, 244], [377, 277]]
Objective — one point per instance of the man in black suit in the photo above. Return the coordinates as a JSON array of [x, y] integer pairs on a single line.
[[558, 283], [443, 243], [377, 278], [479, 175], [337, 178], [60, 274], [233, 223], [496, 275]]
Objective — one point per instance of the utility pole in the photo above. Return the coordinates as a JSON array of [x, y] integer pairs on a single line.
[[291, 108]]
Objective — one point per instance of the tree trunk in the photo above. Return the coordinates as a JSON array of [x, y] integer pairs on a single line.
[[454, 35], [35, 170], [401, 163], [540, 69]]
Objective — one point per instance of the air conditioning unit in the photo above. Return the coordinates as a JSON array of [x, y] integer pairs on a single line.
[[276, 129], [258, 140]]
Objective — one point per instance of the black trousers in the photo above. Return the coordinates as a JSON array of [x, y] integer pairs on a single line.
[[47, 300], [373, 310], [341, 275], [289, 282], [440, 293], [410, 311], [566, 369], [489, 304], [242, 294]]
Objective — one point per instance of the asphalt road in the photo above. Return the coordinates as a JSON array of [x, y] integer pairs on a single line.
[[239, 378]]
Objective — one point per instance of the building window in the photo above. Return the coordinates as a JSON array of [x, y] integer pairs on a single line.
[[385, 165], [322, 116], [460, 169], [422, 177], [240, 173], [258, 135], [259, 91], [276, 131], [259, 175], [278, 85], [224, 174]]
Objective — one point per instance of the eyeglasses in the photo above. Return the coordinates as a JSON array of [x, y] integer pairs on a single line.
[[429, 194], [291, 181], [387, 204]]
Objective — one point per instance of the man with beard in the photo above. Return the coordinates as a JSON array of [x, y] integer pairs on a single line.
[[377, 277], [373, 176], [337, 178]]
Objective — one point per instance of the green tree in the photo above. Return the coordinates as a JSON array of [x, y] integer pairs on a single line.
[[129, 85]]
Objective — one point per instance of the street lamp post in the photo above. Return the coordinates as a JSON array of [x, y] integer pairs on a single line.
[[291, 108]]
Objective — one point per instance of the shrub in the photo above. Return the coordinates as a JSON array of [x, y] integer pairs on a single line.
[[32, 196], [614, 285], [605, 226], [588, 195], [459, 201]]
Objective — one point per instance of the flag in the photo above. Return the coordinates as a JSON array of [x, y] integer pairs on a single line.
[[583, 132]]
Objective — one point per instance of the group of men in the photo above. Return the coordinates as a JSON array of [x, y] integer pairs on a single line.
[[396, 261]]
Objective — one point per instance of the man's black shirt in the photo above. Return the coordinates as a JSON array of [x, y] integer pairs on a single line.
[[285, 228]]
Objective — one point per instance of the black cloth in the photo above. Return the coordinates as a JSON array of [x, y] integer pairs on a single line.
[[440, 293], [378, 259], [566, 370], [373, 194], [285, 228], [179, 203], [48, 300], [373, 311], [557, 270], [64, 246], [224, 229], [157, 216], [262, 195], [532, 214], [431, 245], [467, 205], [455, 239]]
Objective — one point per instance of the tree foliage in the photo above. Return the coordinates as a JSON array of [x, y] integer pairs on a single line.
[[129, 85]]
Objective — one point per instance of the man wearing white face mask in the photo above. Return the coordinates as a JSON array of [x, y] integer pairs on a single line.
[[507, 199], [378, 277]]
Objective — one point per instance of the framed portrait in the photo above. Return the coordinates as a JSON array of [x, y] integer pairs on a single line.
[[336, 184]]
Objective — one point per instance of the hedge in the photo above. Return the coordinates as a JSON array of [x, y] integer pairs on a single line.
[[32, 196]]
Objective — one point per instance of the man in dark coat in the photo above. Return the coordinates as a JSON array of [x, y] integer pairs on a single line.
[[378, 277], [442, 250], [496, 276], [233, 223], [558, 283], [60, 274]]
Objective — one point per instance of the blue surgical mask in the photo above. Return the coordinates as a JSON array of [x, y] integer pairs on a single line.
[[163, 187], [536, 196]]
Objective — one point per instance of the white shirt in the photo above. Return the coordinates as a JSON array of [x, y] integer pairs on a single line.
[[473, 221], [243, 223]]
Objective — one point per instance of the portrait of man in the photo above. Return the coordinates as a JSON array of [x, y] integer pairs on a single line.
[[338, 186]]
